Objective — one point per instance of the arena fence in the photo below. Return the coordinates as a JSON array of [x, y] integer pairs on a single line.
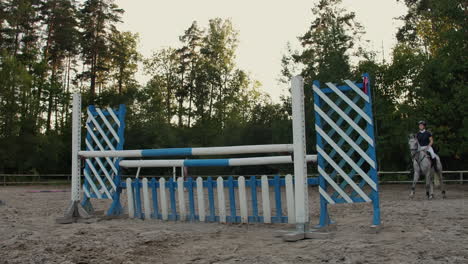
[[385, 177]]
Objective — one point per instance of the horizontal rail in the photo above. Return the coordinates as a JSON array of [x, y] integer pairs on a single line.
[[69, 175], [212, 162], [421, 181], [406, 172], [229, 150], [43, 178]]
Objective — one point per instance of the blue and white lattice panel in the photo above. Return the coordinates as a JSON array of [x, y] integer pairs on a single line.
[[346, 145], [105, 128]]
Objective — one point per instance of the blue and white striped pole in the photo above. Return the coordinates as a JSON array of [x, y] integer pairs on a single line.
[[211, 162]]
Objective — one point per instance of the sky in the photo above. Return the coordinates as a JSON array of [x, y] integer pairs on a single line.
[[265, 27]]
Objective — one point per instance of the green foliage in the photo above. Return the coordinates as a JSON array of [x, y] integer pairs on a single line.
[[197, 95], [326, 51], [124, 58], [97, 21], [426, 78], [432, 51]]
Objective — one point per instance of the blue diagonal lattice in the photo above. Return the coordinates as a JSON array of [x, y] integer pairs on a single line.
[[346, 146], [105, 131]]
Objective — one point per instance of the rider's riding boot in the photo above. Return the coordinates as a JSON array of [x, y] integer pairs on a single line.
[[434, 163]]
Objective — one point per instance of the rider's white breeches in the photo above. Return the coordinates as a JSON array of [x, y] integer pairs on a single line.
[[430, 150]]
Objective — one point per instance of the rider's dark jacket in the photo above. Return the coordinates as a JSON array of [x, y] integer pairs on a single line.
[[423, 138]]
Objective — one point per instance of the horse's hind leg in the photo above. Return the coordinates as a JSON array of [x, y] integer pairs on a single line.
[[441, 178], [429, 185], [431, 189], [441, 182]]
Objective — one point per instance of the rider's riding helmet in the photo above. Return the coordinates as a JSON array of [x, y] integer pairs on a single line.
[[422, 123]]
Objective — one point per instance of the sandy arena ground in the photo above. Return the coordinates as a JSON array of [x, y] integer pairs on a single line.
[[415, 231]]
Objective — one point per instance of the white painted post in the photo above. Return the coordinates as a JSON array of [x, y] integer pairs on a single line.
[[174, 173], [76, 145], [290, 199], [130, 202], [163, 199], [146, 200], [243, 200], [200, 200], [181, 197], [300, 165], [75, 210], [138, 173], [221, 200], [266, 200]]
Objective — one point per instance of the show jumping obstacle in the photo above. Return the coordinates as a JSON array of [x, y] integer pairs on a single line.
[[346, 164]]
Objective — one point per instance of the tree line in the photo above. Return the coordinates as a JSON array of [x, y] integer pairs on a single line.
[[196, 95]]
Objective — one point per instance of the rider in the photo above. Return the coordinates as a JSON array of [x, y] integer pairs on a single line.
[[425, 141]]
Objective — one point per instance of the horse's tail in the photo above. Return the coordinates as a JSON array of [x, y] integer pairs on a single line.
[[438, 177]]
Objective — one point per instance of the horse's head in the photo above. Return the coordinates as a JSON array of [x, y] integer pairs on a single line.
[[413, 142]]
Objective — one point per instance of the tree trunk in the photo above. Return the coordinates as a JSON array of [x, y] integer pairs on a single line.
[[180, 112], [168, 98], [190, 104], [92, 88], [211, 101], [40, 86], [49, 113], [51, 97], [181, 101], [120, 81]]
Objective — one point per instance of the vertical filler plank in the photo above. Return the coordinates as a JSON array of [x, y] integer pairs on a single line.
[[243, 200], [130, 202], [266, 200], [232, 200], [200, 200], [163, 198], [290, 199], [221, 200], [181, 198], [154, 195], [146, 200]]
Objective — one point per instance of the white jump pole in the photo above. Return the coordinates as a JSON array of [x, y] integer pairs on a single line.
[[300, 165], [76, 145], [75, 210]]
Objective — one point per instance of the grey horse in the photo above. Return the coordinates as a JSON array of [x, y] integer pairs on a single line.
[[422, 166]]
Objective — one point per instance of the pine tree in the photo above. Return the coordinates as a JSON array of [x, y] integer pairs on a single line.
[[124, 58], [190, 59], [97, 21], [59, 18]]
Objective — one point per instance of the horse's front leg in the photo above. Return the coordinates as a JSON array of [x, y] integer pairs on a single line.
[[415, 180]]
